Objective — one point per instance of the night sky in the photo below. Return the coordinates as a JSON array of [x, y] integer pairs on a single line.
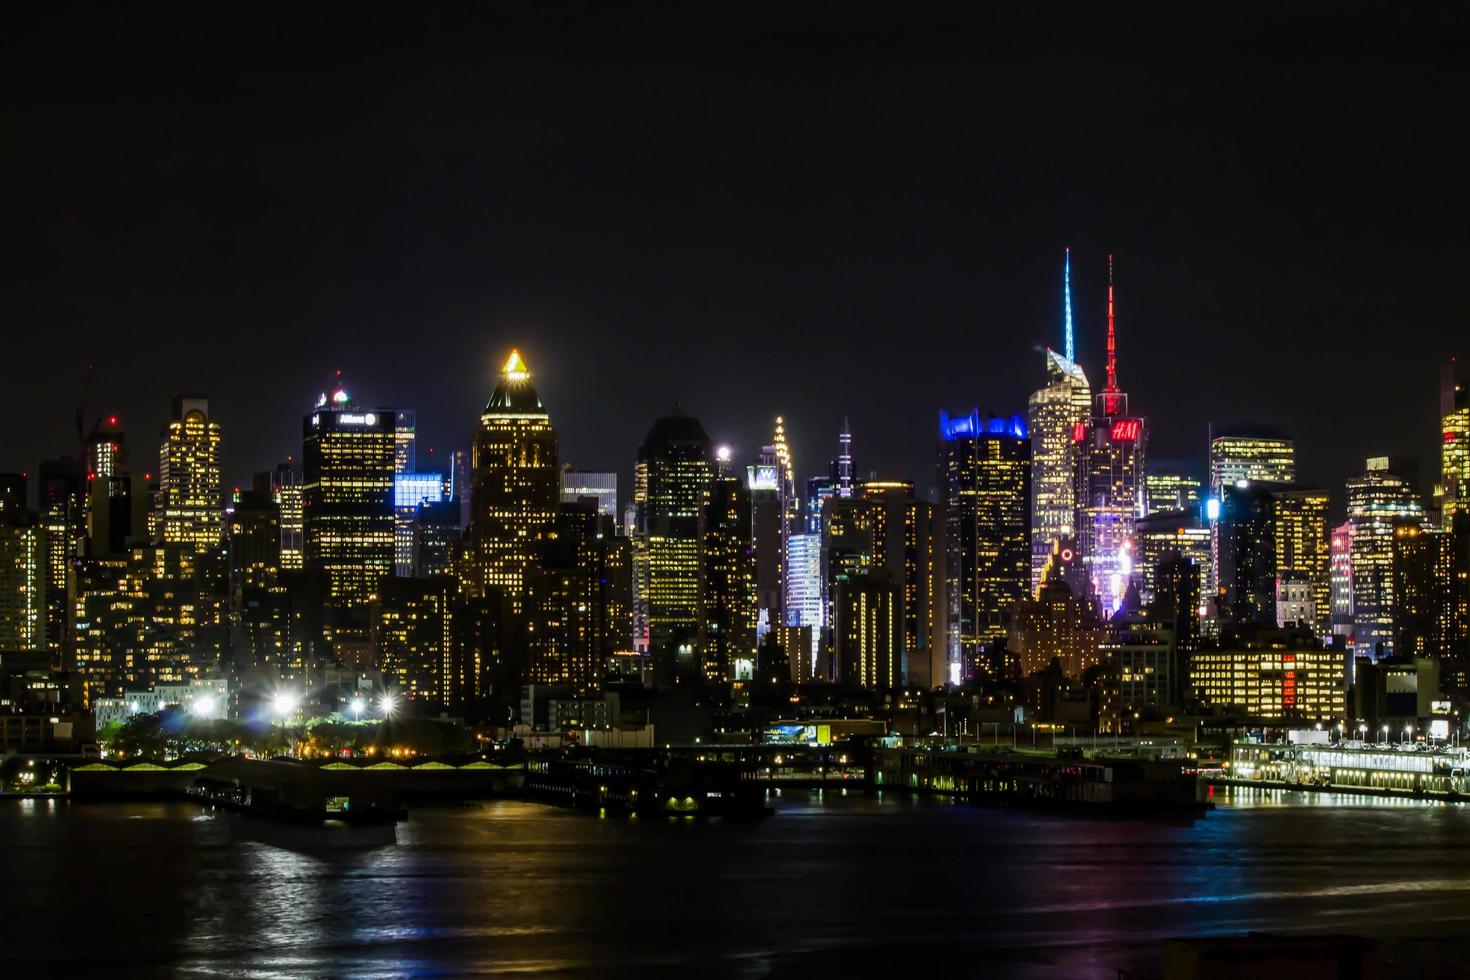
[[749, 210]]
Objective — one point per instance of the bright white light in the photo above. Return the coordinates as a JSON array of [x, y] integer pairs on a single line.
[[387, 704], [723, 454], [1242, 483], [203, 706], [284, 703], [358, 706]]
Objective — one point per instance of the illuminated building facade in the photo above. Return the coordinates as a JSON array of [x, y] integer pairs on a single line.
[[1169, 486], [411, 491], [516, 484], [1276, 676], [413, 636], [1162, 535], [582, 483], [253, 539], [1453, 491], [1053, 414], [347, 497], [104, 451], [1340, 547], [63, 517], [867, 631], [672, 480], [1055, 625], [904, 545], [985, 480], [1255, 454], [1379, 500], [1111, 453], [1303, 554], [1431, 588], [190, 482], [804, 608], [286, 487], [729, 634], [23, 574]]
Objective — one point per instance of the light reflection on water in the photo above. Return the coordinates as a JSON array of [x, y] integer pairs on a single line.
[[831, 884]]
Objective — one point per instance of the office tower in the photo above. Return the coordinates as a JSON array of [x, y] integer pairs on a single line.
[[867, 631], [411, 491], [985, 480], [436, 535], [459, 476], [769, 531], [848, 546], [117, 513], [729, 637], [1165, 535], [1431, 588], [1302, 551], [819, 490], [1379, 500], [190, 484], [1053, 414], [347, 499], [1453, 491], [412, 636], [23, 577], [1273, 675], [103, 451], [1256, 453], [1246, 553], [576, 484], [671, 490], [1110, 467], [1169, 485], [1176, 600], [12, 493], [904, 545], [1340, 549], [405, 445], [516, 479], [286, 488], [804, 609], [253, 537]]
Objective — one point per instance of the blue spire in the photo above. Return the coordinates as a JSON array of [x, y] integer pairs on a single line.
[[1067, 301]]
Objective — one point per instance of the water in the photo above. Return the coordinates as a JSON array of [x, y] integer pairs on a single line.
[[835, 885]]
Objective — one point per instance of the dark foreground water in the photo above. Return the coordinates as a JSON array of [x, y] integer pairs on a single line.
[[842, 885]]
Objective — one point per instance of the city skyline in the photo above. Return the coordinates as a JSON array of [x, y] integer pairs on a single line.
[[936, 296]]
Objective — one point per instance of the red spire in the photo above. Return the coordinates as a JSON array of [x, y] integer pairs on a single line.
[[1110, 402]]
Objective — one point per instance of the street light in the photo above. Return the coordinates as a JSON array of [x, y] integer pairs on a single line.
[[284, 704], [1385, 734], [203, 706], [387, 704], [357, 706]]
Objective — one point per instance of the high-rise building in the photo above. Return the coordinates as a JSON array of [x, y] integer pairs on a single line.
[[190, 481], [412, 491], [985, 480], [1254, 453], [804, 599], [1166, 534], [1453, 491], [671, 491], [1169, 485], [1302, 549], [1379, 500], [1054, 625], [104, 450], [1431, 588], [405, 441], [769, 532], [905, 546], [253, 538], [1053, 414], [729, 634], [413, 636], [63, 515], [867, 631], [576, 484], [1112, 448], [22, 581], [1245, 547], [1273, 675], [516, 484], [347, 498], [285, 486]]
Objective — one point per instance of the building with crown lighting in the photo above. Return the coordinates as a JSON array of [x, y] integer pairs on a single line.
[[671, 490], [190, 484], [515, 479], [348, 464], [1453, 489], [1111, 455], [985, 488]]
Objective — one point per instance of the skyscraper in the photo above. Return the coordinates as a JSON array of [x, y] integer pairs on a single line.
[[1112, 447], [1453, 490], [671, 491], [347, 457], [1170, 485], [729, 580], [1256, 453], [22, 581], [1302, 551], [576, 484], [516, 481], [1378, 500], [1053, 414], [285, 486], [190, 484], [985, 479]]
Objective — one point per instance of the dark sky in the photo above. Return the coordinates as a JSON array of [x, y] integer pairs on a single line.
[[748, 209]]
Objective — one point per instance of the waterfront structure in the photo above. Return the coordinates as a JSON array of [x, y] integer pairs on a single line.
[[1273, 676], [584, 483], [1254, 453], [347, 498], [1112, 448], [190, 485], [985, 480], [671, 488], [1379, 500], [516, 484]]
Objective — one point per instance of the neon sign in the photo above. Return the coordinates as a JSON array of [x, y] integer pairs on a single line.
[[1126, 430], [1079, 432]]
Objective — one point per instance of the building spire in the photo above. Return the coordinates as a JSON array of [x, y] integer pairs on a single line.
[[844, 460], [1067, 301], [1111, 392]]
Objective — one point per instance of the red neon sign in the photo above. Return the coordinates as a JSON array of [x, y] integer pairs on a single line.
[[1126, 430], [1079, 432]]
